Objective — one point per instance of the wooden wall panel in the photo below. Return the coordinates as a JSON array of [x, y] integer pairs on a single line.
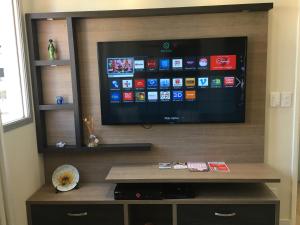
[[198, 142], [60, 127]]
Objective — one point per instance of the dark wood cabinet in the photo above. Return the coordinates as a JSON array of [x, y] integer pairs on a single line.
[[226, 214], [94, 204], [141, 214], [77, 215]]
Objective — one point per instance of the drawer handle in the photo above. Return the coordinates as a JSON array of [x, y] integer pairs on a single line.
[[77, 214], [225, 214]]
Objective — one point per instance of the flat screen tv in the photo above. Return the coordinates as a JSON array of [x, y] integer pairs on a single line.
[[173, 81]]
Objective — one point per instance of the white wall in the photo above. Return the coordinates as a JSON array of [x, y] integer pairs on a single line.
[[280, 76], [24, 170], [21, 170]]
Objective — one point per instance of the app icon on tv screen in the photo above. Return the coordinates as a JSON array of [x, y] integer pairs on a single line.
[[127, 84], [190, 63], [177, 95], [120, 67], [229, 81], [190, 82], [164, 83], [165, 95], [140, 96], [164, 64], [177, 64], [139, 65], [190, 95], [152, 96], [115, 96], [151, 64], [203, 82], [139, 83], [223, 62], [114, 84], [152, 83], [203, 63], [177, 82], [127, 96], [216, 82]]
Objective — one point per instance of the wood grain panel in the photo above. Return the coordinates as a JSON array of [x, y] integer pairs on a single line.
[[230, 142], [60, 127], [239, 173], [56, 81], [56, 30], [92, 193]]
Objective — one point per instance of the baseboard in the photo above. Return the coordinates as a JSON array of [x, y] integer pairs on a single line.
[[285, 222]]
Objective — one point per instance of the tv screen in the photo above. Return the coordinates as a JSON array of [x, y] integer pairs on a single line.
[[173, 81]]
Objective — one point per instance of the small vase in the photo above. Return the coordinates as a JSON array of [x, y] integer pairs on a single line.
[[93, 141]]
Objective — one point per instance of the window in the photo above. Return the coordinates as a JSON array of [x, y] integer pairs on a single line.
[[14, 99]]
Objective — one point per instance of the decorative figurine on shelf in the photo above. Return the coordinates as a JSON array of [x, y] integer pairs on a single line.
[[51, 50], [60, 144], [93, 141], [59, 100]]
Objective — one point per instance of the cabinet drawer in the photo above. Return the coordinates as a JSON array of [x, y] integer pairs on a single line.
[[77, 214], [225, 214]]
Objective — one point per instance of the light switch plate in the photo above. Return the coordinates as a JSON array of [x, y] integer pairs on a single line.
[[286, 99], [275, 99]]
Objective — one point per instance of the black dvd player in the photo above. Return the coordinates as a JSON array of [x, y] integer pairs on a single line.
[[153, 191]]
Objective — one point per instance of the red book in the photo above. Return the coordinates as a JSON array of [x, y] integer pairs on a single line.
[[218, 166]]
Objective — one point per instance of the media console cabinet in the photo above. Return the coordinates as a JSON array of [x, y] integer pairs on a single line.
[[236, 202]]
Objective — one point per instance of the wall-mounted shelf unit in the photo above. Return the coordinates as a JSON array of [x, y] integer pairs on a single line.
[[53, 78], [45, 79]]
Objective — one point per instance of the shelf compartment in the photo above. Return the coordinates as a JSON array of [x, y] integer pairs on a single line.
[[56, 81], [56, 107], [58, 32], [60, 127], [150, 214], [52, 62]]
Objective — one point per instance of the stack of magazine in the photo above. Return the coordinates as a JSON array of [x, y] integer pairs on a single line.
[[196, 166]]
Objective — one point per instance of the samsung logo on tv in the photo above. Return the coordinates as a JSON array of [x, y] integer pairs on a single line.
[[166, 47]]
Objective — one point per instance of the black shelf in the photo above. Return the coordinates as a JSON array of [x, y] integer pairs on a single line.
[[155, 11], [52, 62], [100, 148], [56, 107]]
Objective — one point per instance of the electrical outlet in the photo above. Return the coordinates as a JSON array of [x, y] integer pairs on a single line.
[[286, 99], [275, 99]]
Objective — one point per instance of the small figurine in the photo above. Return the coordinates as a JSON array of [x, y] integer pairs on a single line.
[[93, 141], [59, 100], [51, 50], [60, 144]]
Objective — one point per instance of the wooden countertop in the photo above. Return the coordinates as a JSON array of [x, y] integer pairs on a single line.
[[102, 193], [239, 173]]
